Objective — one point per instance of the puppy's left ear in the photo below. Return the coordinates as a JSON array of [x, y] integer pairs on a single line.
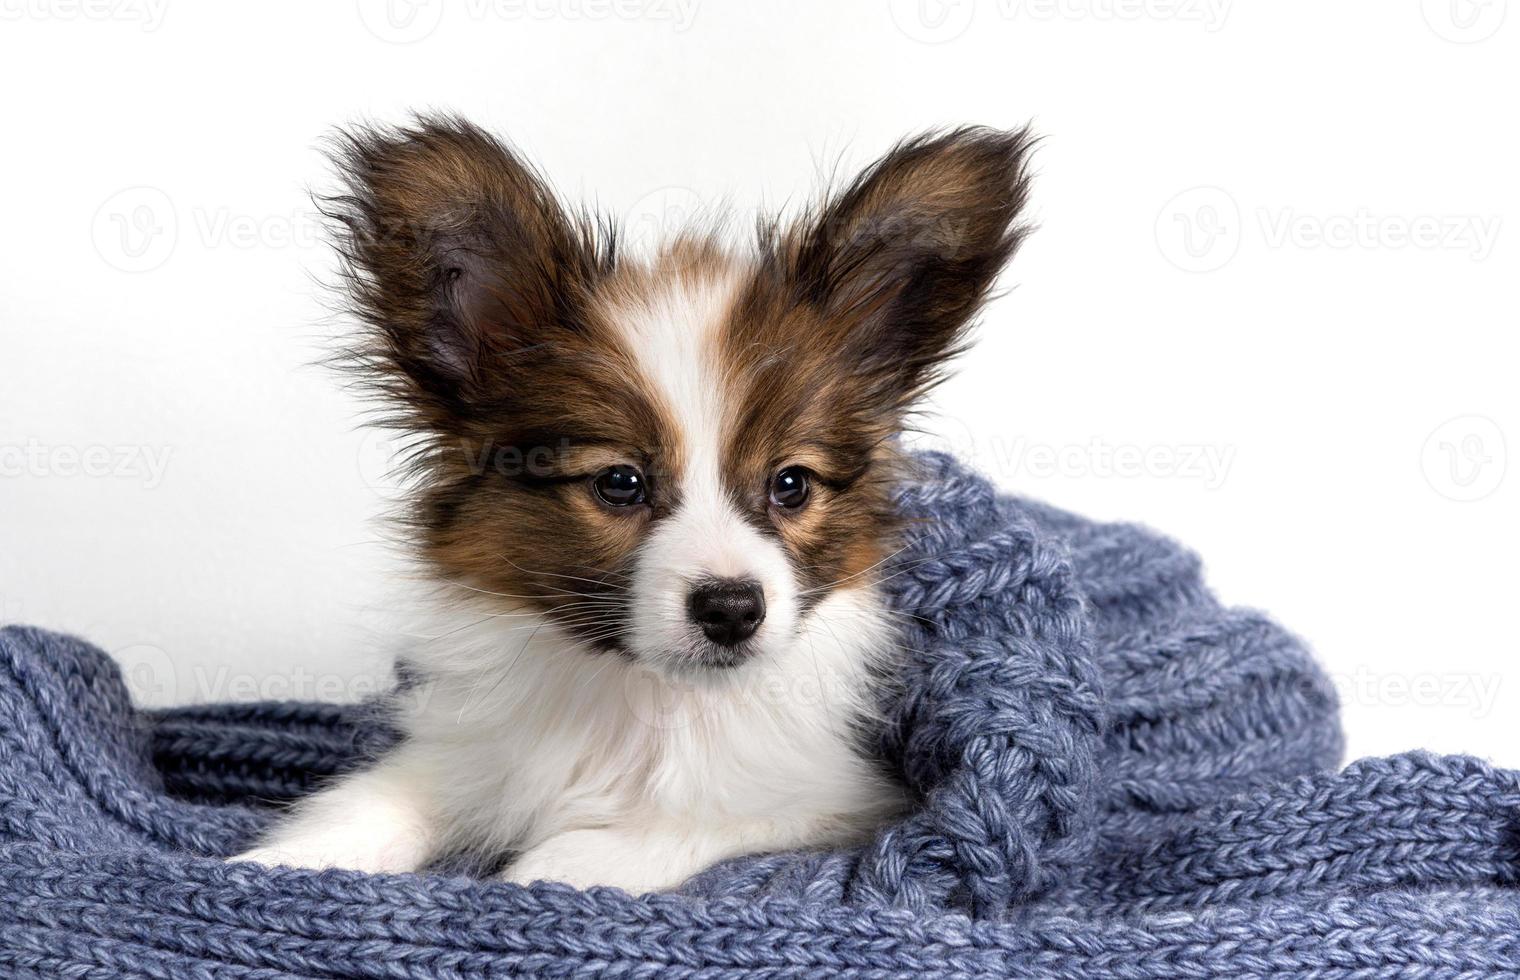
[[899, 263]]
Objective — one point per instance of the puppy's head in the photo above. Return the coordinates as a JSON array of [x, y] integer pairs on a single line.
[[678, 459]]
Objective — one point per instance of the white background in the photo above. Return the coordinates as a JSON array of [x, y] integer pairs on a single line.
[[1271, 308]]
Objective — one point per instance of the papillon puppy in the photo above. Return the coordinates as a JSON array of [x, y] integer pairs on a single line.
[[653, 498]]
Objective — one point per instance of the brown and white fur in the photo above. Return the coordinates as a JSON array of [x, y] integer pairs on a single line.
[[600, 439]]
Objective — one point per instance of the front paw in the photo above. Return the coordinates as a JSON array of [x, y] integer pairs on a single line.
[[584, 858], [307, 856], [560, 859], [272, 857], [336, 851]]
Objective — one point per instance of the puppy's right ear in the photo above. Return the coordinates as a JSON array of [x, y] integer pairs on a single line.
[[458, 257]]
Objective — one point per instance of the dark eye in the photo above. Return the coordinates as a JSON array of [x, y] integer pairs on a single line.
[[789, 488], [619, 486]]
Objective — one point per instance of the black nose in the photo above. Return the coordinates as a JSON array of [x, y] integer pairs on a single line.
[[728, 610]]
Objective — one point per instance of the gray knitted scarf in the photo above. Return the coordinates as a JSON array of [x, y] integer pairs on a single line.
[[1117, 777]]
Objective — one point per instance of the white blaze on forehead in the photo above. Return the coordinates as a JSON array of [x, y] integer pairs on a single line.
[[675, 334]]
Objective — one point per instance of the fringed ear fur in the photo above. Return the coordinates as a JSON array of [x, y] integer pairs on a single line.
[[899, 262], [457, 256]]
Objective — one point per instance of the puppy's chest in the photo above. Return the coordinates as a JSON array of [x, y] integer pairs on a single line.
[[743, 751]]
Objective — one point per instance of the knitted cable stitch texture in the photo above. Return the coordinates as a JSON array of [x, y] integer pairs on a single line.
[[1118, 777]]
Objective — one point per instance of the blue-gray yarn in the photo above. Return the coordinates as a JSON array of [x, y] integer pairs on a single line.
[[1119, 778]]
